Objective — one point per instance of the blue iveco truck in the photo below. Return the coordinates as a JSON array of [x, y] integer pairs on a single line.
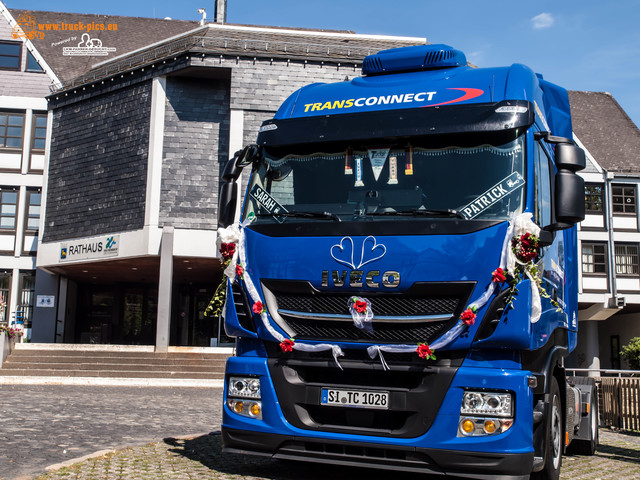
[[402, 283]]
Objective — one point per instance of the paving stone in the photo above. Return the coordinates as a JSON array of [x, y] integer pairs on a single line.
[[52, 424], [48, 424]]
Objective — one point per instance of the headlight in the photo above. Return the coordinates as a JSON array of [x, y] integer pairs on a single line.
[[487, 403], [245, 387], [485, 413]]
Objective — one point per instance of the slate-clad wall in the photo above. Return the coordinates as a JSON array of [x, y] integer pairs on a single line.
[[98, 165], [196, 145]]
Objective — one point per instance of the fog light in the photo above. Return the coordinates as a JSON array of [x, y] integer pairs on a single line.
[[245, 408], [490, 426], [255, 409], [467, 427]]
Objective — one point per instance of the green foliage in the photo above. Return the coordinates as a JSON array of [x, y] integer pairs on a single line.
[[631, 353], [214, 309]]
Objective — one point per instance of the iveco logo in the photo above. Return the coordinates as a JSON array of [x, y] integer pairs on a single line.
[[345, 254]]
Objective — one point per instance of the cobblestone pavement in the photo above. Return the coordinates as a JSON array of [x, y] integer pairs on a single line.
[[200, 458], [83, 420], [42, 425]]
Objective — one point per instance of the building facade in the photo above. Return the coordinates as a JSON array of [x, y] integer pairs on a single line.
[[127, 245], [609, 237], [24, 82], [113, 179]]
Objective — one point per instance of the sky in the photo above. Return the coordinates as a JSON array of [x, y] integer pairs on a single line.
[[590, 45]]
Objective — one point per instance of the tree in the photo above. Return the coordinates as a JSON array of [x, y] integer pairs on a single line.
[[631, 353]]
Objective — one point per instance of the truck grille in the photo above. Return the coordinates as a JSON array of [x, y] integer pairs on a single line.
[[420, 314]]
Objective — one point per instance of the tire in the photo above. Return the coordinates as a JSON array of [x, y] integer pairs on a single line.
[[554, 437], [588, 447]]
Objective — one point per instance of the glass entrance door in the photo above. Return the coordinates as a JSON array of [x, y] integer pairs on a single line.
[[192, 327]]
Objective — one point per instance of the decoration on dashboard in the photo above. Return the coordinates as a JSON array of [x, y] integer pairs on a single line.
[[359, 182], [393, 171], [408, 169], [378, 157], [360, 309], [348, 170]]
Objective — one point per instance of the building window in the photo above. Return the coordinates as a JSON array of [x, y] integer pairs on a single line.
[[32, 64], [10, 54], [11, 129], [594, 257], [594, 198], [626, 256], [8, 204], [34, 199], [27, 297], [624, 199], [5, 286], [39, 134]]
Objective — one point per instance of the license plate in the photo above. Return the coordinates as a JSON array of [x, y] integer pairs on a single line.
[[354, 398]]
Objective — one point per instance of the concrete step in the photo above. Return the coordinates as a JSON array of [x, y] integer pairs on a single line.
[[114, 361], [109, 374], [74, 354], [150, 360], [113, 366]]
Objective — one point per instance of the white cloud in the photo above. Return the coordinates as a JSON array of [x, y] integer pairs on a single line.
[[544, 20]]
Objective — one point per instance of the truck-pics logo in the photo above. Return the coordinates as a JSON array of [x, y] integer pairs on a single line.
[[344, 253]]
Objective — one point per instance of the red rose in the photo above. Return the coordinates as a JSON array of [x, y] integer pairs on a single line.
[[258, 307], [286, 345], [468, 317], [498, 275], [527, 255], [424, 351], [239, 270], [360, 306], [227, 250]]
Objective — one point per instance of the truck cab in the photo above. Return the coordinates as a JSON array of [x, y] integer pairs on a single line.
[[402, 282]]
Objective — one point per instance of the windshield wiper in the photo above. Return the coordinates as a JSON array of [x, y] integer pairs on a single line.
[[415, 212], [325, 215]]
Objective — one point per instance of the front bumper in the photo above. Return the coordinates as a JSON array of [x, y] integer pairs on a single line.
[[476, 465], [439, 450]]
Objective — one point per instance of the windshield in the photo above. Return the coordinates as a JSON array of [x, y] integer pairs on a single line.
[[480, 182]]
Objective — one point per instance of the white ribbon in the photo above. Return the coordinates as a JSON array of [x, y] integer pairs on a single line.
[[519, 225], [376, 350], [362, 320]]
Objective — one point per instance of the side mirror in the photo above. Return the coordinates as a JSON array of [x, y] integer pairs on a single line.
[[569, 157], [570, 197], [228, 199]]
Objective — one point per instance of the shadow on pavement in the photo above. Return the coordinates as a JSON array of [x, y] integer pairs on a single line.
[[207, 449], [621, 454]]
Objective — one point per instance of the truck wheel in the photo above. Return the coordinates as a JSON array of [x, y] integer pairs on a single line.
[[588, 447], [554, 442]]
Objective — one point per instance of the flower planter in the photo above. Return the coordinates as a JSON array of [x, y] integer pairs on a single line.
[[6, 346]]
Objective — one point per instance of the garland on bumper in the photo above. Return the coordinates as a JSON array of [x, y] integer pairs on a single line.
[[519, 251]]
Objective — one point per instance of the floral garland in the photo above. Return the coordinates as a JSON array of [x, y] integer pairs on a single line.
[[520, 250]]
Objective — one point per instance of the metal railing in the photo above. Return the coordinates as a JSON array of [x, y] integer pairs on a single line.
[[618, 396]]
